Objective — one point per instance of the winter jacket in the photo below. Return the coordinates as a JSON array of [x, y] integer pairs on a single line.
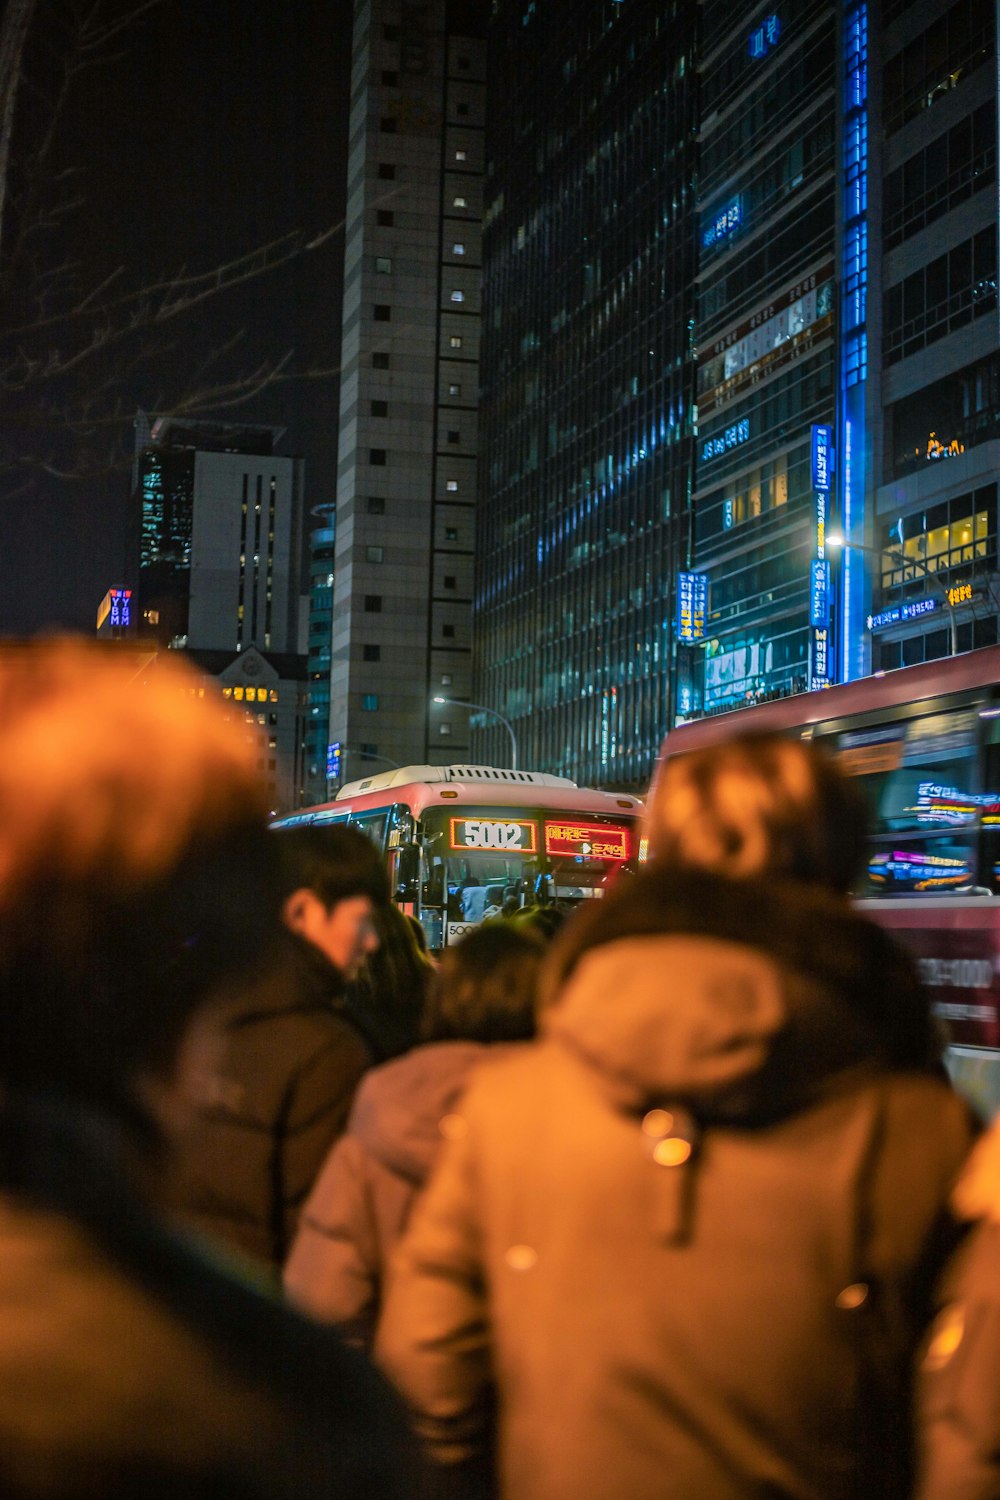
[[362, 1198], [681, 1247], [293, 1059], [133, 1364], [960, 1369]]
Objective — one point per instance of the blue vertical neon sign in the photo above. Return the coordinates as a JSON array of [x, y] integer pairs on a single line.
[[853, 338]]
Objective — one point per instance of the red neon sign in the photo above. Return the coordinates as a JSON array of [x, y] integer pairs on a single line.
[[590, 840]]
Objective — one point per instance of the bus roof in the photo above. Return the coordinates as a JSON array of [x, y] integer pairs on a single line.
[[404, 775], [950, 674], [556, 793]]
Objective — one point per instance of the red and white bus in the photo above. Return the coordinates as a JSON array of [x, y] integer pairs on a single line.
[[925, 743], [461, 841]]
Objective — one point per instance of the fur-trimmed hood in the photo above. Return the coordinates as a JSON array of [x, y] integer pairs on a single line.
[[744, 1001]]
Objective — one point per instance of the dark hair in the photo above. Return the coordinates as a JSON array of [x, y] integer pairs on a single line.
[[758, 805], [484, 988], [334, 862], [388, 995], [134, 862]]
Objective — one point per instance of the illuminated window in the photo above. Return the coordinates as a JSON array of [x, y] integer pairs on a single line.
[[454, 390], [227, 692], [451, 485], [374, 554], [459, 155], [444, 728], [457, 296], [458, 248], [451, 533], [455, 341], [369, 702], [460, 202], [383, 265], [238, 694]]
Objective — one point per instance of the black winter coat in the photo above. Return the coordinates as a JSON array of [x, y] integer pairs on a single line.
[[293, 1059]]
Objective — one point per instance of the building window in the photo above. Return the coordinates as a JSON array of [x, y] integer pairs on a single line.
[[448, 631], [390, 33], [387, 171], [457, 296], [459, 202], [463, 63], [383, 312], [373, 604], [385, 218], [446, 679], [459, 155], [451, 533], [380, 360], [451, 485], [387, 124], [444, 728], [449, 581], [377, 457], [454, 389], [372, 652], [455, 342], [383, 265], [458, 248], [390, 77], [369, 702], [374, 554], [454, 437], [376, 505], [462, 109], [380, 408]]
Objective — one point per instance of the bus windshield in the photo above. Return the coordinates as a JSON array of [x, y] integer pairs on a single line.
[[482, 861]]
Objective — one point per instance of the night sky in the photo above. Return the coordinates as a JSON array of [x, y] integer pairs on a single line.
[[221, 127]]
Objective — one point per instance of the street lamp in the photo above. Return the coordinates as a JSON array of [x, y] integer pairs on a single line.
[[481, 708], [837, 540]]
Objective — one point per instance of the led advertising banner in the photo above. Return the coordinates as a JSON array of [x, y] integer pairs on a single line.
[[590, 840], [822, 444], [692, 606], [494, 834]]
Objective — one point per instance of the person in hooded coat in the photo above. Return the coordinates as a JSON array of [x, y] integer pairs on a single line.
[[482, 996], [682, 1247]]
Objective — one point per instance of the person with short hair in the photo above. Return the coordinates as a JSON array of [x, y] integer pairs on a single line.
[[482, 996], [134, 859], [294, 1053], [681, 1247]]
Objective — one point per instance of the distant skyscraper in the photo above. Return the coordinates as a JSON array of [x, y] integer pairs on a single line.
[[406, 479], [587, 411], [321, 561], [219, 514]]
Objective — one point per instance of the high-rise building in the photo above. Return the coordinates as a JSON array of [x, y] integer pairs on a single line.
[[935, 345], [217, 519], [319, 647], [587, 410], [769, 208], [406, 475], [219, 516]]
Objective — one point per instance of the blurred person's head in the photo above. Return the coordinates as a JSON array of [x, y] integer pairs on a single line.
[[389, 992], [484, 988], [136, 879], [758, 805], [333, 881]]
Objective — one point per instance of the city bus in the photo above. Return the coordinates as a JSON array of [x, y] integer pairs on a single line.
[[924, 742], [463, 843]]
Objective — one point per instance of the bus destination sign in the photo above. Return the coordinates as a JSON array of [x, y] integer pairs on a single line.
[[494, 834], [588, 840]]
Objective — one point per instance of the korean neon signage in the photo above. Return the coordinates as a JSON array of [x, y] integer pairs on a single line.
[[692, 606], [588, 840]]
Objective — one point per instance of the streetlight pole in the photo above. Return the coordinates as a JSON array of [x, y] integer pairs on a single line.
[[481, 708], [836, 540]]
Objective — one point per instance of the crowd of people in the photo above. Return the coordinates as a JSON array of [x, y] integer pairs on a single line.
[[672, 1201]]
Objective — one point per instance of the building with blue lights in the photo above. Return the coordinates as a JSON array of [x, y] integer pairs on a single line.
[[935, 337], [587, 408]]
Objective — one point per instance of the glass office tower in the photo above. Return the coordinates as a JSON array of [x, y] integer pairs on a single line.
[[767, 351], [587, 419]]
